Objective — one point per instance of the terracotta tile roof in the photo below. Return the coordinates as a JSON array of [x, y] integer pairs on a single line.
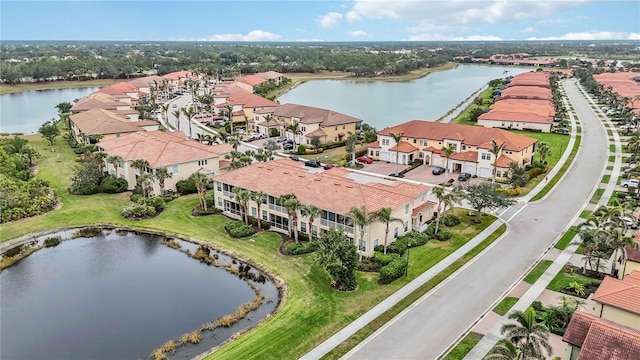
[[96, 100], [249, 100], [161, 148], [103, 122], [374, 145], [578, 328], [423, 207], [513, 116], [465, 156], [316, 132], [119, 89], [541, 107], [251, 80], [404, 147], [610, 341], [526, 92], [471, 135], [633, 254], [269, 75], [618, 293], [313, 115], [178, 75], [328, 190], [504, 161], [149, 80], [633, 278]]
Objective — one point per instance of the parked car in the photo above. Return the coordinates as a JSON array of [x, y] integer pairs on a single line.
[[626, 127], [364, 160], [329, 166], [438, 170], [294, 158], [312, 163], [464, 177], [255, 136], [630, 183], [281, 139], [630, 222], [287, 146]]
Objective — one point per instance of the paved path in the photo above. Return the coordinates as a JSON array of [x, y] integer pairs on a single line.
[[430, 328]]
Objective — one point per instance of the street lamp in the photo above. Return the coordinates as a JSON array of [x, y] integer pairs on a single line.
[[406, 270]]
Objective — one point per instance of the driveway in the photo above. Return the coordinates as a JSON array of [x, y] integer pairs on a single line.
[[422, 173]]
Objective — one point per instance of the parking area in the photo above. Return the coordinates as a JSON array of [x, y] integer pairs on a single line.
[[422, 173]]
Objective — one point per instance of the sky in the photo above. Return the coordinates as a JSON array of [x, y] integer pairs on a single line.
[[333, 20]]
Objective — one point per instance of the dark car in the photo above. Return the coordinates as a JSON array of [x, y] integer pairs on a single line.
[[294, 158], [287, 146], [312, 163], [464, 177], [438, 170], [364, 160]]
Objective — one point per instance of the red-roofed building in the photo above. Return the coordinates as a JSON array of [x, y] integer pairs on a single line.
[[592, 338], [517, 119], [271, 76], [619, 301], [333, 191], [172, 150], [471, 146], [252, 80], [631, 259], [86, 126], [243, 101]]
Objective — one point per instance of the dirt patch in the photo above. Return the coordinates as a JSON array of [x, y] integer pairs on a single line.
[[439, 245]]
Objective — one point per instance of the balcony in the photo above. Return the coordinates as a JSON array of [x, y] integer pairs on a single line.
[[229, 194], [335, 225], [278, 208]]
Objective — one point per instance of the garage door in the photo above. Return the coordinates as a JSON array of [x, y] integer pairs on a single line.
[[471, 169], [437, 161], [484, 172], [384, 156]]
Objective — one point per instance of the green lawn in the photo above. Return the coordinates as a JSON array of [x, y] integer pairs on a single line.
[[505, 305], [464, 346], [612, 158], [537, 271], [561, 171], [610, 167], [334, 155], [566, 238], [563, 279], [311, 310], [605, 179], [585, 214], [612, 148], [461, 118], [596, 196]]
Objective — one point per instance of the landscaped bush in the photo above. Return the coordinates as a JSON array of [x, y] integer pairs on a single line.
[[334, 144], [52, 241], [384, 259], [443, 234], [393, 270], [510, 192], [299, 248], [187, 186], [313, 151], [449, 220], [138, 211], [89, 189], [302, 150], [238, 229], [111, 185], [264, 225], [534, 171], [416, 238]]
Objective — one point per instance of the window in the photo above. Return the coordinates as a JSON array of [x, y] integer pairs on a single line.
[[486, 156], [385, 142], [454, 146], [303, 226], [335, 128], [314, 230], [264, 215], [423, 197], [202, 162], [344, 126], [498, 173], [363, 245], [414, 141], [375, 242], [395, 232], [254, 212], [406, 209], [423, 142], [377, 153], [218, 186], [174, 169], [219, 201], [120, 164], [464, 147], [406, 226]]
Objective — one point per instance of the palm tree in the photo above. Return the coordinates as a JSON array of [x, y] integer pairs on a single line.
[[294, 129], [161, 174], [176, 113], [527, 334], [100, 157], [189, 113], [259, 197], [145, 181], [447, 150], [384, 215], [361, 219], [202, 181], [312, 212], [242, 197], [165, 110], [115, 161], [229, 109], [446, 199], [292, 204], [397, 138], [503, 350], [617, 240], [234, 140], [140, 165], [544, 150], [267, 119], [495, 150]]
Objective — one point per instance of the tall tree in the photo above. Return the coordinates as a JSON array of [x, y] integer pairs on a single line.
[[202, 182], [384, 216], [445, 199], [495, 150], [544, 150], [49, 131], [145, 180], [504, 350], [339, 258], [161, 174], [140, 165], [115, 161], [242, 197], [527, 334], [293, 205], [312, 212], [189, 113], [397, 138], [29, 153], [361, 219], [484, 196], [267, 119], [447, 151], [259, 197], [229, 108], [177, 114]]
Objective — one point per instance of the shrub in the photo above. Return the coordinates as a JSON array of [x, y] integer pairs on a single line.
[[274, 132], [52, 241], [187, 186], [303, 236], [450, 220], [384, 259], [111, 185], [138, 211], [89, 189], [157, 202], [534, 171], [238, 229], [416, 238], [335, 144], [23, 175], [302, 149], [444, 234], [393, 270], [299, 248], [136, 197]]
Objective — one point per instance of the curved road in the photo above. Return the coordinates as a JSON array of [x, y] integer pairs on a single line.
[[437, 319]]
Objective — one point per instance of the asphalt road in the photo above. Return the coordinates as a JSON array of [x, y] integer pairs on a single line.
[[436, 320]]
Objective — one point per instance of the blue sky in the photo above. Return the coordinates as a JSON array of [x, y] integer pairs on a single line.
[[303, 20]]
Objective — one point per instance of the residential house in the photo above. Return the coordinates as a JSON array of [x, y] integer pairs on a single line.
[[122, 90], [327, 125], [271, 76], [592, 338], [86, 126], [517, 119], [251, 80], [618, 300], [630, 259], [98, 100], [244, 104], [334, 191], [176, 80], [172, 150], [472, 145]]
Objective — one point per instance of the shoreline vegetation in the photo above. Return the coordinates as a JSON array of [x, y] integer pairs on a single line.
[[53, 85]]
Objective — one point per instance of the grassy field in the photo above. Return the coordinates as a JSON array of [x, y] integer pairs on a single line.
[[505, 305], [9, 89], [560, 173], [310, 310], [537, 271], [463, 348], [461, 118], [563, 279]]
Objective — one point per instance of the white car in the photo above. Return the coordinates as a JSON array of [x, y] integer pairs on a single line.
[[627, 127], [255, 136]]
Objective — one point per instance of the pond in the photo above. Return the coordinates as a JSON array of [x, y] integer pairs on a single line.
[[385, 103], [25, 111], [120, 295]]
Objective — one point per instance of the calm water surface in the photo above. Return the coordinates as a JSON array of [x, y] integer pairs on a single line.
[[115, 297], [25, 111], [383, 103]]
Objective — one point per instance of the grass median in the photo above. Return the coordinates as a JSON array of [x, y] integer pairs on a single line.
[[542, 193]]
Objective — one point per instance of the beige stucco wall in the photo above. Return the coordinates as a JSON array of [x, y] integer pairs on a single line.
[[616, 315], [628, 267], [571, 352], [513, 124]]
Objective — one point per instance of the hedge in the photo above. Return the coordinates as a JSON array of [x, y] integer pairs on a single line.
[[238, 229], [264, 225], [299, 248], [384, 259], [393, 270], [449, 220]]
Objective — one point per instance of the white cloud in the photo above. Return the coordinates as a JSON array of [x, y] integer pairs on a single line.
[[528, 29], [356, 33], [255, 35], [440, 37], [352, 16], [592, 35], [310, 40], [330, 20]]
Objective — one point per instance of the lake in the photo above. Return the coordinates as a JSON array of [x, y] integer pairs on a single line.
[[25, 111], [118, 296], [388, 103]]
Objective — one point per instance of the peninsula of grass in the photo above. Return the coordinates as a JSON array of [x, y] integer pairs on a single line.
[[566, 238], [464, 346], [367, 330], [542, 193], [537, 271], [562, 280], [505, 305], [310, 310], [10, 89]]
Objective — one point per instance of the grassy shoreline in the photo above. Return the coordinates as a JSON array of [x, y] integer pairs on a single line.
[[13, 89]]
